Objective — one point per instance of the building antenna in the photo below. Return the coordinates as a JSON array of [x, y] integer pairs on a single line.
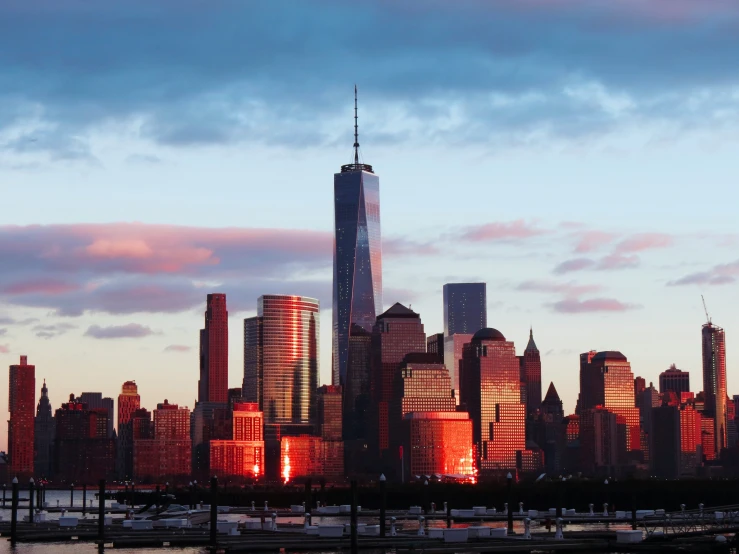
[[708, 317], [356, 129]]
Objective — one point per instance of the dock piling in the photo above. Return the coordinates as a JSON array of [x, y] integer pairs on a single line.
[[84, 499], [14, 512], [30, 501], [383, 503], [101, 511], [213, 512], [353, 521]]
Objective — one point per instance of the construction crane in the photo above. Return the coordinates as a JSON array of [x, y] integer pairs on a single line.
[[708, 317]]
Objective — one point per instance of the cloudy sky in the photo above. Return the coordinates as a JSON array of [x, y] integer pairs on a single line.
[[577, 155]]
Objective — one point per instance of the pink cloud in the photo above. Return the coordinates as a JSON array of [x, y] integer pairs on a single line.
[[177, 348], [575, 264], [574, 306], [502, 231], [131, 330], [4, 349], [43, 286], [398, 246], [568, 289], [722, 274], [617, 261], [645, 241], [588, 241]]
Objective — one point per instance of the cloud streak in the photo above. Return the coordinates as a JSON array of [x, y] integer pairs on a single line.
[[575, 306], [131, 330]]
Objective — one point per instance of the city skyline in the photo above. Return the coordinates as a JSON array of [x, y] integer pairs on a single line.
[[575, 197]]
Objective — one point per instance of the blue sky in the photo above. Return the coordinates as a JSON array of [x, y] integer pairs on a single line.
[[578, 156]]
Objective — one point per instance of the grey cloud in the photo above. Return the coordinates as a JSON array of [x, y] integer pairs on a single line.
[[131, 330], [53, 330]]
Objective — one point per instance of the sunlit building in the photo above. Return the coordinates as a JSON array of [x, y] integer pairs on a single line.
[[357, 286], [21, 404], [128, 402], [307, 456], [439, 443], [490, 391], [708, 437], [213, 383], [714, 383], [243, 455], [167, 454], [691, 447]]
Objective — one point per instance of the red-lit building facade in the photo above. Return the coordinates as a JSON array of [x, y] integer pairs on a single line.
[[439, 443], [490, 391], [21, 404], [83, 452], [714, 385], [166, 454], [242, 457], [128, 402], [397, 332], [213, 384], [306, 456]]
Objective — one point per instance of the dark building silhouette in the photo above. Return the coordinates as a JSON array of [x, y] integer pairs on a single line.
[[22, 396], [357, 286], [329, 420], [550, 431], [44, 431], [664, 442], [95, 401], [714, 382], [435, 345], [490, 391], [357, 410], [213, 383], [397, 333], [84, 453], [166, 453], [530, 366], [128, 402], [675, 380], [601, 441]]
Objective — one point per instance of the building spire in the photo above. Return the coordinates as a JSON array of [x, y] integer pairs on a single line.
[[356, 129]]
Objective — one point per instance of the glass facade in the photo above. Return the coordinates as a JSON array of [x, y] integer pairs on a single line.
[[490, 389], [453, 355], [674, 380], [309, 456], [439, 443], [714, 382], [168, 453], [357, 288], [356, 411], [22, 397], [465, 308], [329, 418], [281, 358], [213, 384]]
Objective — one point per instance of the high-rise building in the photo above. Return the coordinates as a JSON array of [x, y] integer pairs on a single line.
[[674, 379], [606, 380], [167, 455], [22, 396], [453, 346], [549, 432], [304, 456], [600, 440], [397, 332], [465, 308], [357, 392], [329, 418], [490, 391], [691, 448], [128, 402], [530, 366], [357, 294], [281, 358], [714, 382], [439, 443], [664, 442], [44, 431], [213, 383], [96, 401], [640, 383], [83, 452], [435, 344], [243, 455]]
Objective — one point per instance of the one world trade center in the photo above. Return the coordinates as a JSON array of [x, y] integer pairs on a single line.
[[357, 295]]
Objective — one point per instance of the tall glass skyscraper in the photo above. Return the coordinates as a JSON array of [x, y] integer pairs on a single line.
[[357, 297], [714, 381], [465, 308]]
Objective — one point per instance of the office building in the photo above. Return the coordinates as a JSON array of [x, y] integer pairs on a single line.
[[243, 455], [714, 382], [439, 443], [664, 442], [21, 403], [96, 401], [600, 440], [329, 418], [128, 402], [674, 379], [213, 383], [357, 393], [167, 454], [490, 391], [691, 446], [43, 436], [83, 452], [397, 333], [435, 345], [453, 346], [530, 367], [357, 286], [281, 358], [309, 456], [465, 308]]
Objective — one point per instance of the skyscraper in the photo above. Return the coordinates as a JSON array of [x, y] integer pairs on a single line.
[[714, 382], [168, 453], [281, 359], [128, 402], [530, 366], [357, 294], [95, 401], [213, 384], [465, 308], [490, 389], [44, 435], [674, 379], [22, 395], [397, 332]]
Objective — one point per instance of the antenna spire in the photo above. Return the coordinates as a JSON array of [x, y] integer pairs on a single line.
[[356, 129]]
